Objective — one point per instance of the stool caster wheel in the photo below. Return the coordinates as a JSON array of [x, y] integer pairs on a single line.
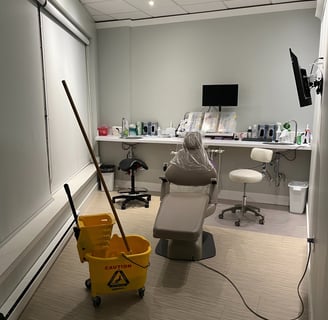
[[261, 221], [147, 205], [113, 200], [221, 216], [148, 198], [123, 206], [237, 223]]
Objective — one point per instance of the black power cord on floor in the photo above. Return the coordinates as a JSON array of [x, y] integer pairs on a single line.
[[310, 242]]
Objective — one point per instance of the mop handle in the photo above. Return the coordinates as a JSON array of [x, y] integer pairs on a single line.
[[69, 196], [100, 175]]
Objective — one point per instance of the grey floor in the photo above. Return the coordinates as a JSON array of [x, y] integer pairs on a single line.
[[278, 220], [264, 261]]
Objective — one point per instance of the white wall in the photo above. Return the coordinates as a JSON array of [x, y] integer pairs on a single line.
[[318, 191], [156, 72]]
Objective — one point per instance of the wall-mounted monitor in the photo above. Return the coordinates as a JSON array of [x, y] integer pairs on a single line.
[[302, 82], [220, 95]]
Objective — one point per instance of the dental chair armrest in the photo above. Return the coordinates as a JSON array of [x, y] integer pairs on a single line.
[[165, 187]]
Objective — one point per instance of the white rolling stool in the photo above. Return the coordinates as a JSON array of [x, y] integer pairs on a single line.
[[249, 176]]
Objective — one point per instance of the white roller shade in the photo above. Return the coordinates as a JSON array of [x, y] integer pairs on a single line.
[[24, 184], [64, 59]]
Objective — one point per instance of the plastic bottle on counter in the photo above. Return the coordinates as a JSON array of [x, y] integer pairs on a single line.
[[254, 131], [170, 130], [125, 128], [307, 135], [278, 132], [249, 132]]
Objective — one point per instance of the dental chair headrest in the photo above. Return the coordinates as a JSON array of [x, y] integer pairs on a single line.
[[192, 158], [192, 141]]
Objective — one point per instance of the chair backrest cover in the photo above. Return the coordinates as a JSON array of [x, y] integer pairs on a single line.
[[191, 165], [261, 155]]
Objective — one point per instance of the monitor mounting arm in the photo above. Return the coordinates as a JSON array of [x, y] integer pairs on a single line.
[[316, 83], [315, 80]]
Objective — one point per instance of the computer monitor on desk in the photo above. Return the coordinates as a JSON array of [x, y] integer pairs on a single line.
[[220, 95]]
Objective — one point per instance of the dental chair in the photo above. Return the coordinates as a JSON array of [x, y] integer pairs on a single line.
[[180, 218]]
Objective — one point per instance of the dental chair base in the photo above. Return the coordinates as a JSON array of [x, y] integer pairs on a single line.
[[203, 248]]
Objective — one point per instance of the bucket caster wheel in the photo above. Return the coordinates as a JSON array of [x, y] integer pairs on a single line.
[[221, 216], [141, 292], [88, 283], [261, 221], [96, 301], [237, 223]]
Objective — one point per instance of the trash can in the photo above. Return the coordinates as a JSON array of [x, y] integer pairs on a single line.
[[107, 171], [297, 196]]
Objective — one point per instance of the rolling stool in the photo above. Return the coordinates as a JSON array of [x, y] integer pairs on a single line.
[[130, 165], [246, 176]]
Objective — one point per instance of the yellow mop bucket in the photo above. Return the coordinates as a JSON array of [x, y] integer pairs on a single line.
[[116, 270], [95, 232]]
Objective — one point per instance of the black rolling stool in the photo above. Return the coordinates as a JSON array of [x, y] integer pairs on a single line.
[[130, 165]]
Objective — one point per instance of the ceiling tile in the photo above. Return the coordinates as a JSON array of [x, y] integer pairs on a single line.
[[203, 7], [108, 10], [103, 17], [130, 15], [90, 1], [245, 3], [111, 6], [160, 7], [282, 1], [197, 2]]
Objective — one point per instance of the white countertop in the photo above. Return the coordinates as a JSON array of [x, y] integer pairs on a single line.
[[206, 142]]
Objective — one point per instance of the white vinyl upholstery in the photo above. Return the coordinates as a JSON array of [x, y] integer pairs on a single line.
[[187, 225], [245, 176], [180, 218], [261, 155]]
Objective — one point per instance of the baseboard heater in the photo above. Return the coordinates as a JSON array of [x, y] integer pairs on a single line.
[[20, 297]]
